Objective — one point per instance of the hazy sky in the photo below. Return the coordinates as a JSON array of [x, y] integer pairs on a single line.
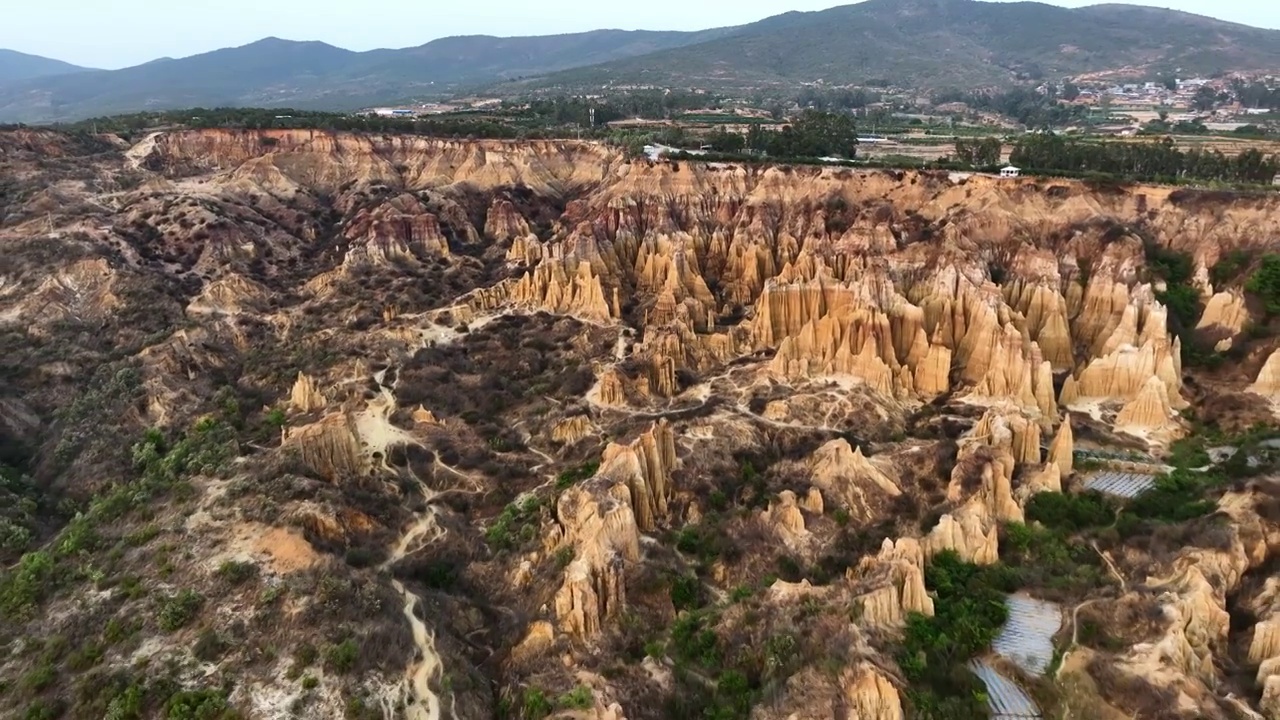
[[119, 33]]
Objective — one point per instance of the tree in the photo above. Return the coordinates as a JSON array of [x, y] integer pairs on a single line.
[[1206, 99], [1105, 103], [979, 153], [1265, 283], [723, 141], [815, 134]]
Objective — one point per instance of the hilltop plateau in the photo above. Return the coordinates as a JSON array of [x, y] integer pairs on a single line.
[[313, 424]]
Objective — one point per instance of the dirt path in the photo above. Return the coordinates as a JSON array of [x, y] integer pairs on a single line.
[[412, 698]]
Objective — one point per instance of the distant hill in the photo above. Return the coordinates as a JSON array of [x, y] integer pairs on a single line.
[[314, 75], [16, 66], [920, 44], [938, 43]]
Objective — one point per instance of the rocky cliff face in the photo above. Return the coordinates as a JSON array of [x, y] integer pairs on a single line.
[[536, 426], [309, 159], [601, 523]]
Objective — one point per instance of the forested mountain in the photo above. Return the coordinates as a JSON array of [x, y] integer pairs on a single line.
[[278, 73], [908, 43], [938, 43]]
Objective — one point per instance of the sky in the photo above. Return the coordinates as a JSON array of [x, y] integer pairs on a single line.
[[121, 33]]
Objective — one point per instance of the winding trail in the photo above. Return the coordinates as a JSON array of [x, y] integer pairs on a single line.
[[708, 393], [412, 698]]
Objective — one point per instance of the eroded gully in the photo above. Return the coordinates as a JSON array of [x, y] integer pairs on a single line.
[[412, 698]]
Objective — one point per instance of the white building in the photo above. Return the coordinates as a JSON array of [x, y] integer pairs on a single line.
[[1010, 172]]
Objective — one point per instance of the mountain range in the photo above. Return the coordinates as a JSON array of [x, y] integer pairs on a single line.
[[15, 66], [947, 43], [910, 43]]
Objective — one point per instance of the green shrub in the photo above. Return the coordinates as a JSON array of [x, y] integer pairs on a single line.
[[1175, 268], [209, 646], [564, 557], [569, 478], [686, 593], [304, 656], [1061, 511], [343, 656], [780, 651], [693, 641], [1183, 302], [358, 708], [1265, 283], [718, 501], [535, 705], [39, 678], [1189, 453], [131, 587], [26, 585], [579, 698], [179, 610], [1177, 497], [13, 537], [237, 573], [79, 536], [688, 541], [117, 631], [41, 710], [516, 526], [734, 696], [360, 557], [706, 540], [127, 704], [440, 575], [789, 568], [1228, 268], [197, 705], [85, 657], [143, 535], [1097, 636]]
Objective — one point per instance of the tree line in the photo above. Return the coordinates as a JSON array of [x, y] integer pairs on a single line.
[[815, 134], [481, 125], [1256, 94], [1156, 161], [652, 105], [1029, 107]]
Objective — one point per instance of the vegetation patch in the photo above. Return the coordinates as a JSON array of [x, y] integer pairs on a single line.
[[569, 478], [516, 527], [1265, 283], [1050, 560], [969, 610], [20, 503], [177, 611], [235, 572], [1182, 299], [1071, 512]]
